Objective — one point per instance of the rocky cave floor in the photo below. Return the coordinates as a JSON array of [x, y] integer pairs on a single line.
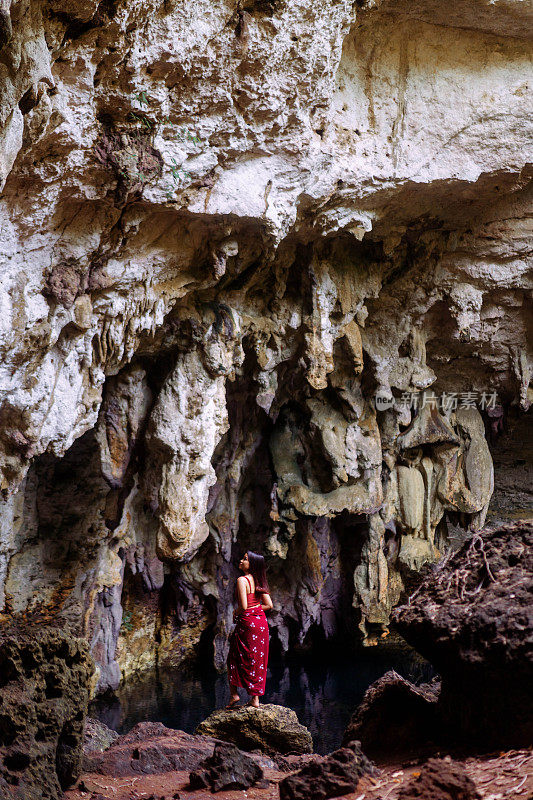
[[496, 776]]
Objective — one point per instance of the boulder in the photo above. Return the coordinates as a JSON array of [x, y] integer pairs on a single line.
[[269, 728], [440, 779], [97, 737], [292, 763], [331, 776], [44, 679], [472, 618], [227, 768], [150, 748], [395, 716]]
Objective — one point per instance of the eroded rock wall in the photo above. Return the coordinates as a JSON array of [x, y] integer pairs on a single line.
[[45, 679], [225, 229]]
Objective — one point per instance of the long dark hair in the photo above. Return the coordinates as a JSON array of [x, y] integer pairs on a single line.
[[258, 570]]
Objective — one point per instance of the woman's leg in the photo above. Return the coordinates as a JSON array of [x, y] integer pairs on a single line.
[[234, 696], [254, 701]]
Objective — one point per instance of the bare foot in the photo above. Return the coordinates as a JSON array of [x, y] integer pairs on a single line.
[[234, 699], [254, 702]]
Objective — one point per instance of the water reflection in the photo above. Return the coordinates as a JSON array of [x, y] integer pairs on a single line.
[[323, 693]]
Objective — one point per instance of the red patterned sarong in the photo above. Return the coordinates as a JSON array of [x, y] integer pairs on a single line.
[[248, 650]]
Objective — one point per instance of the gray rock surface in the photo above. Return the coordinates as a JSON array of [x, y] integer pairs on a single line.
[[97, 737]]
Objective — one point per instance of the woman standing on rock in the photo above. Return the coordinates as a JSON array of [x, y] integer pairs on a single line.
[[248, 652]]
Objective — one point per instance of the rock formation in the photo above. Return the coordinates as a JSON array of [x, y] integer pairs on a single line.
[[152, 749], [144, 766], [472, 618], [396, 717], [227, 768], [270, 728], [332, 776], [441, 779], [97, 737], [263, 266], [44, 682]]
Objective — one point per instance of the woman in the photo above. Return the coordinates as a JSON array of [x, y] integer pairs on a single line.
[[248, 652]]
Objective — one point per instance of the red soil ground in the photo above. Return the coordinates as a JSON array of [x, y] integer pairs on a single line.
[[504, 776]]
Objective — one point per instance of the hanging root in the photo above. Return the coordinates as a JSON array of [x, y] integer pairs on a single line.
[[456, 582]]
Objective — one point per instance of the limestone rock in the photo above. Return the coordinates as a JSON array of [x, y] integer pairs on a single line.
[[125, 409], [428, 427], [377, 587], [411, 496], [44, 680], [478, 462], [97, 736], [222, 231], [270, 728], [185, 426], [6, 29], [352, 455], [11, 135]]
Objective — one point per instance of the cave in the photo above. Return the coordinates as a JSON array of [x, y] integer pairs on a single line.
[[265, 286]]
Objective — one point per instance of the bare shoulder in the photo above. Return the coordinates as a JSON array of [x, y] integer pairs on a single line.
[[241, 581]]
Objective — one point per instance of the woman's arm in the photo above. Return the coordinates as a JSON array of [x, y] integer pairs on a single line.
[[242, 600], [266, 602]]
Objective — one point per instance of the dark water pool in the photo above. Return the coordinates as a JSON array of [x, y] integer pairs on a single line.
[[323, 692]]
